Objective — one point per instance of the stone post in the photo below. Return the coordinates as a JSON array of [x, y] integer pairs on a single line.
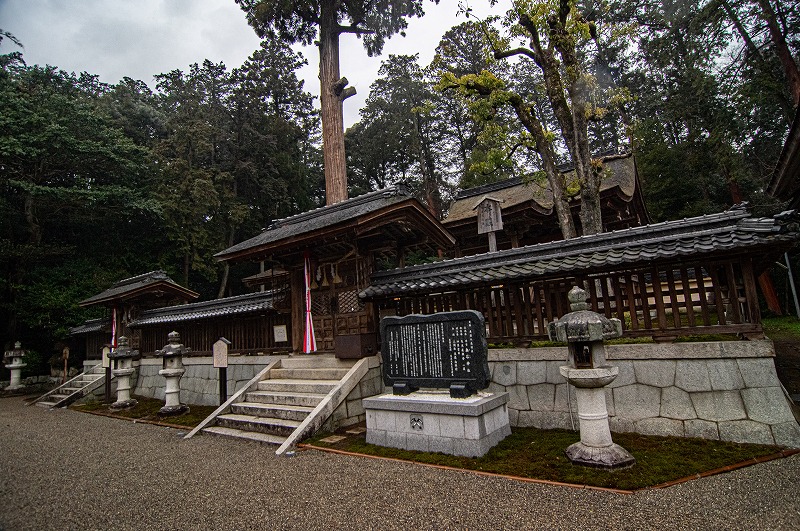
[[122, 358], [172, 370], [584, 331], [13, 359]]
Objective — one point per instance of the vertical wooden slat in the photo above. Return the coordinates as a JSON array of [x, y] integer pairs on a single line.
[[645, 298], [712, 272], [673, 298], [593, 294], [750, 291], [700, 279], [526, 300], [659, 299], [519, 316], [631, 302], [733, 291], [688, 300], [606, 297], [617, 287]]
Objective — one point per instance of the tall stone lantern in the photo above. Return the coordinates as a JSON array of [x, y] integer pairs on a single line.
[[584, 331], [13, 359], [172, 370], [122, 359]]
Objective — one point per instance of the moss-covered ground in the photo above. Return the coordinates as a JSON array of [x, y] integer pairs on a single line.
[[147, 409], [539, 454]]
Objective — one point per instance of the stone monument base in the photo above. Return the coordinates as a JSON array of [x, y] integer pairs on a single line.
[[432, 421], [173, 411], [613, 456]]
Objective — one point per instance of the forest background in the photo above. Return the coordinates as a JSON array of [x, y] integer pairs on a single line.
[[101, 182]]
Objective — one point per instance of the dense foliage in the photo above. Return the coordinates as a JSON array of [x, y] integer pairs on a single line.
[[101, 182]]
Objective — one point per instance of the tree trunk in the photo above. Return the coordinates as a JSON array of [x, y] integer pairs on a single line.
[[34, 229], [331, 106], [545, 150], [186, 263], [782, 50]]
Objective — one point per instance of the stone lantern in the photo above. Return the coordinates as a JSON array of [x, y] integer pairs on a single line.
[[122, 359], [172, 370], [584, 331], [13, 360]]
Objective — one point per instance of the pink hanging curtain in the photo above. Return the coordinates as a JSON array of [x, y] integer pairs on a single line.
[[309, 341]]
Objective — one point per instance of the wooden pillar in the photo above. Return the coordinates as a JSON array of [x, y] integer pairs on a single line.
[[297, 296]]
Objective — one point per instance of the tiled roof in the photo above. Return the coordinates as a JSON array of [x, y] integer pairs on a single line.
[[727, 231], [154, 280], [238, 305], [324, 217], [92, 325], [621, 174]]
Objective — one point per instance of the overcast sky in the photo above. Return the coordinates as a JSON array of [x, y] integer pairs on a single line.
[[141, 38]]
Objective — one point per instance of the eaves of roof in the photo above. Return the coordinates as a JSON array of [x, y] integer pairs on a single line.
[[238, 305], [724, 232]]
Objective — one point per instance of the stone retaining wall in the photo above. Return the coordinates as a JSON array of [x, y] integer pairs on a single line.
[[200, 382], [351, 411], [715, 390]]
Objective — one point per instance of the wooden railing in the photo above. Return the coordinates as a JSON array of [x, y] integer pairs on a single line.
[[662, 301]]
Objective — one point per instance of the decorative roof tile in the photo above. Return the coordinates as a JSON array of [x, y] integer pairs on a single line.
[[730, 231], [140, 284], [238, 305]]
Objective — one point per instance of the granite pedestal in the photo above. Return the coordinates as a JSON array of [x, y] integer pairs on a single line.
[[433, 421]]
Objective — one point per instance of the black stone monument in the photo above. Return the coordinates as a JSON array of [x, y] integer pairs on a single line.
[[443, 350]]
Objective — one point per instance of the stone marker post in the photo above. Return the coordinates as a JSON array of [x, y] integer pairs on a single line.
[[584, 331], [122, 359], [172, 370], [13, 359], [221, 363]]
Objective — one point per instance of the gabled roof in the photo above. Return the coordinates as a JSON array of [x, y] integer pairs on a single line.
[[730, 231], [785, 182], [620, 177], [155, 283], [238, 305], [358, 213], [92, 325]]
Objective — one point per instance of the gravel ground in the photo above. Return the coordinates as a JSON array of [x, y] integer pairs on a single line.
[[67, 470]]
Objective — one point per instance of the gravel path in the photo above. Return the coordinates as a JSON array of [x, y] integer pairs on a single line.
[[67, 470]]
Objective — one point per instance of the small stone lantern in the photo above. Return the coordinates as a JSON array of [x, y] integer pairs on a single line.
[[13, 359], [122, 359], [172, 370], [584, 331]]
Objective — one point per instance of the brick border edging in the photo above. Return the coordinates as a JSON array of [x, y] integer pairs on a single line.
[[756, 460], [135, 421]]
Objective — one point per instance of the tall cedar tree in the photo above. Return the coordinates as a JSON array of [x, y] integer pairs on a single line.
[[325, 20]]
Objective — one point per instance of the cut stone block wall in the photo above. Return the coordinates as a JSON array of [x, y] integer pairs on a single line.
[[725, 390], [351, 411], [200, 383]]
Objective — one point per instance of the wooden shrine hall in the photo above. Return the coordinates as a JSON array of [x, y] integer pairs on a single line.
[[344, 243]]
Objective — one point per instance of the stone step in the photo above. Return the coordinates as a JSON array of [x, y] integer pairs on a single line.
[[46, 404], [316, 361], [274, 397], [69, 390], [58, 398], [298, 386], [308, 373], [281, 427], [264, 438], [288, 412]]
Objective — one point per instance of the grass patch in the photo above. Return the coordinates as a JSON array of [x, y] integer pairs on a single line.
[[147, 409], [539, 454], [785, 328]]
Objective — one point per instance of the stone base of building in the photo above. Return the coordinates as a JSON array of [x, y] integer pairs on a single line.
[[432, 421], [123, 404], [173, 411]]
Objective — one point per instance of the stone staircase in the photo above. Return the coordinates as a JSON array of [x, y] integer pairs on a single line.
[[275, 407], [76, 388]]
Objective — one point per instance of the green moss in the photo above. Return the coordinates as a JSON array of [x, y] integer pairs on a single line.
[[539, 454], [147, 409], [785, 328]]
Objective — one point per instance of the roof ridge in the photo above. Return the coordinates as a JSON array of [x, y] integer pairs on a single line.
[[157, 274], [212, 302], [605, 239], [400, 189]]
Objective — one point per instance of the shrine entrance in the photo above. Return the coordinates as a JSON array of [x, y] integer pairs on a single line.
[[335, 306]]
